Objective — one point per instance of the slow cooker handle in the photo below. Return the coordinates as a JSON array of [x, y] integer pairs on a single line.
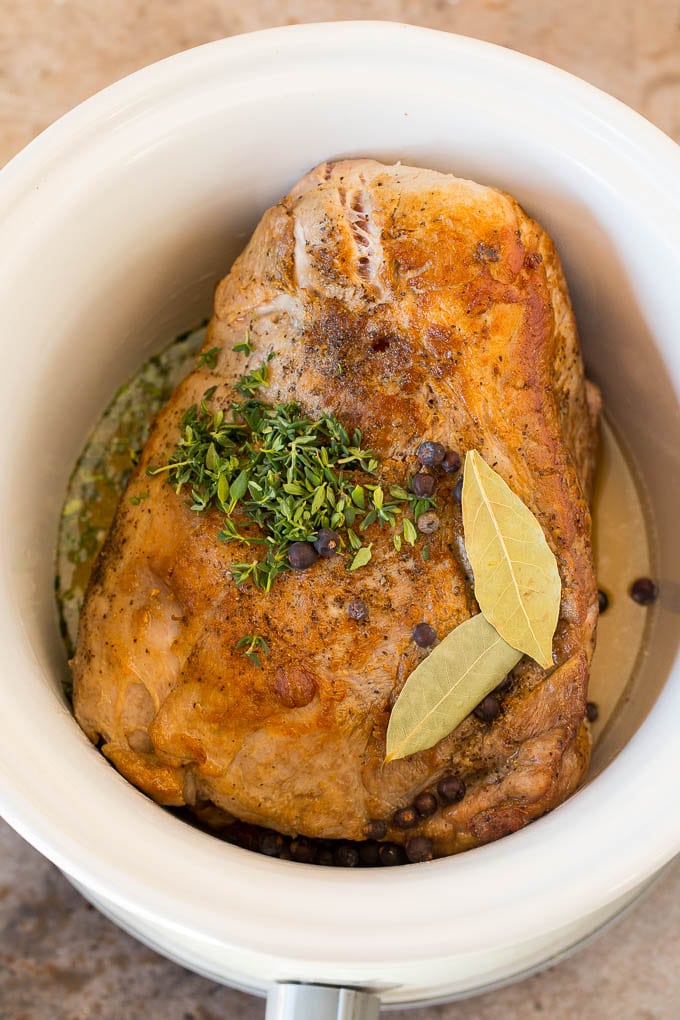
[[319, 1002]]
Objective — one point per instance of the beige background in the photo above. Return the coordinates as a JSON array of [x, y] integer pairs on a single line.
[[59, 960]]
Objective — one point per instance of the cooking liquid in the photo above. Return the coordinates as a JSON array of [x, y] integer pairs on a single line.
[[622, 550], [621, 542]]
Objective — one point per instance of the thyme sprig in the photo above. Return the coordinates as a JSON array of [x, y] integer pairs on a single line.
[[249, 645], [278, 476], [208, 358]]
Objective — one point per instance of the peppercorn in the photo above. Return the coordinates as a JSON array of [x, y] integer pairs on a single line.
[[423, 484], [357, 610], [390, 854], [302, 555], [271, 843], [644, 591], [451, 462], [346, 856], [405, 818], [458, 491], [376, 829], [592, 711], [303, 850], [425, 804], [602, 600], [327, 542], [488, 709], [430, 454], [419, 849], [428, 523], [424, 635], [451, 789]]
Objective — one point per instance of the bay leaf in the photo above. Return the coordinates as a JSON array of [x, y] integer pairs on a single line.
[[517, 583], [445, 687]]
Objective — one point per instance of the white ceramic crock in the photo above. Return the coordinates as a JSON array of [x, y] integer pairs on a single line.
[[115, 225]]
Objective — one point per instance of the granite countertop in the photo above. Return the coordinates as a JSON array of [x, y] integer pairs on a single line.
[[60, 959]]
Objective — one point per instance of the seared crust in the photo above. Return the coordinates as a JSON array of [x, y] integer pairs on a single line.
[[416, 306]]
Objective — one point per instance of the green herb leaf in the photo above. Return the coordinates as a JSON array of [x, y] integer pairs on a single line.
[[223, 489], [368, 520], [208, 358], [211, 458], [362, 557], [244, 347], [249, 384], [410, 533], [285, 475], [319, 499], [517, 583], [442, 691], [354, 540], [397, 492], [73, 506], [239, 486], [359, 497], [250, 643]]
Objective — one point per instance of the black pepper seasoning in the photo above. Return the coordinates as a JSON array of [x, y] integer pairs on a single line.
[[644, 591], [271, 843], [302, 555], [419, 849], [424, 635], [357, 610], [405, 818], [346, 856], [422, 484], [488, 709], [451, 462], [376, 829], [327, 542], [430, 454], [303, 850], [451, 789], [426, 804], [390, 854], [428, 523]]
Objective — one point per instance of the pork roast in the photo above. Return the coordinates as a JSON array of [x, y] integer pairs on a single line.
[[415, 306]]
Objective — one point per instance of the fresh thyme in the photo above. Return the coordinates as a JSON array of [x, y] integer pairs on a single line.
[[245, 346], [208, 358], [277, 477], [249, 384], [250, 644]]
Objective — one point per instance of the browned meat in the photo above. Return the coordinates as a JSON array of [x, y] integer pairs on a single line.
[[416, 306]]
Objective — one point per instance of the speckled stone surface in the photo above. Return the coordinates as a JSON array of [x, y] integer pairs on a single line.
[[59, 959]]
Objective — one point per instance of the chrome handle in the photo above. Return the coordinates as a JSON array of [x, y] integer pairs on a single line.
[[318, 1002]]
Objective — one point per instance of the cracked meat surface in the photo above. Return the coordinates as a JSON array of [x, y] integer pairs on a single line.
[[414, 305]]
